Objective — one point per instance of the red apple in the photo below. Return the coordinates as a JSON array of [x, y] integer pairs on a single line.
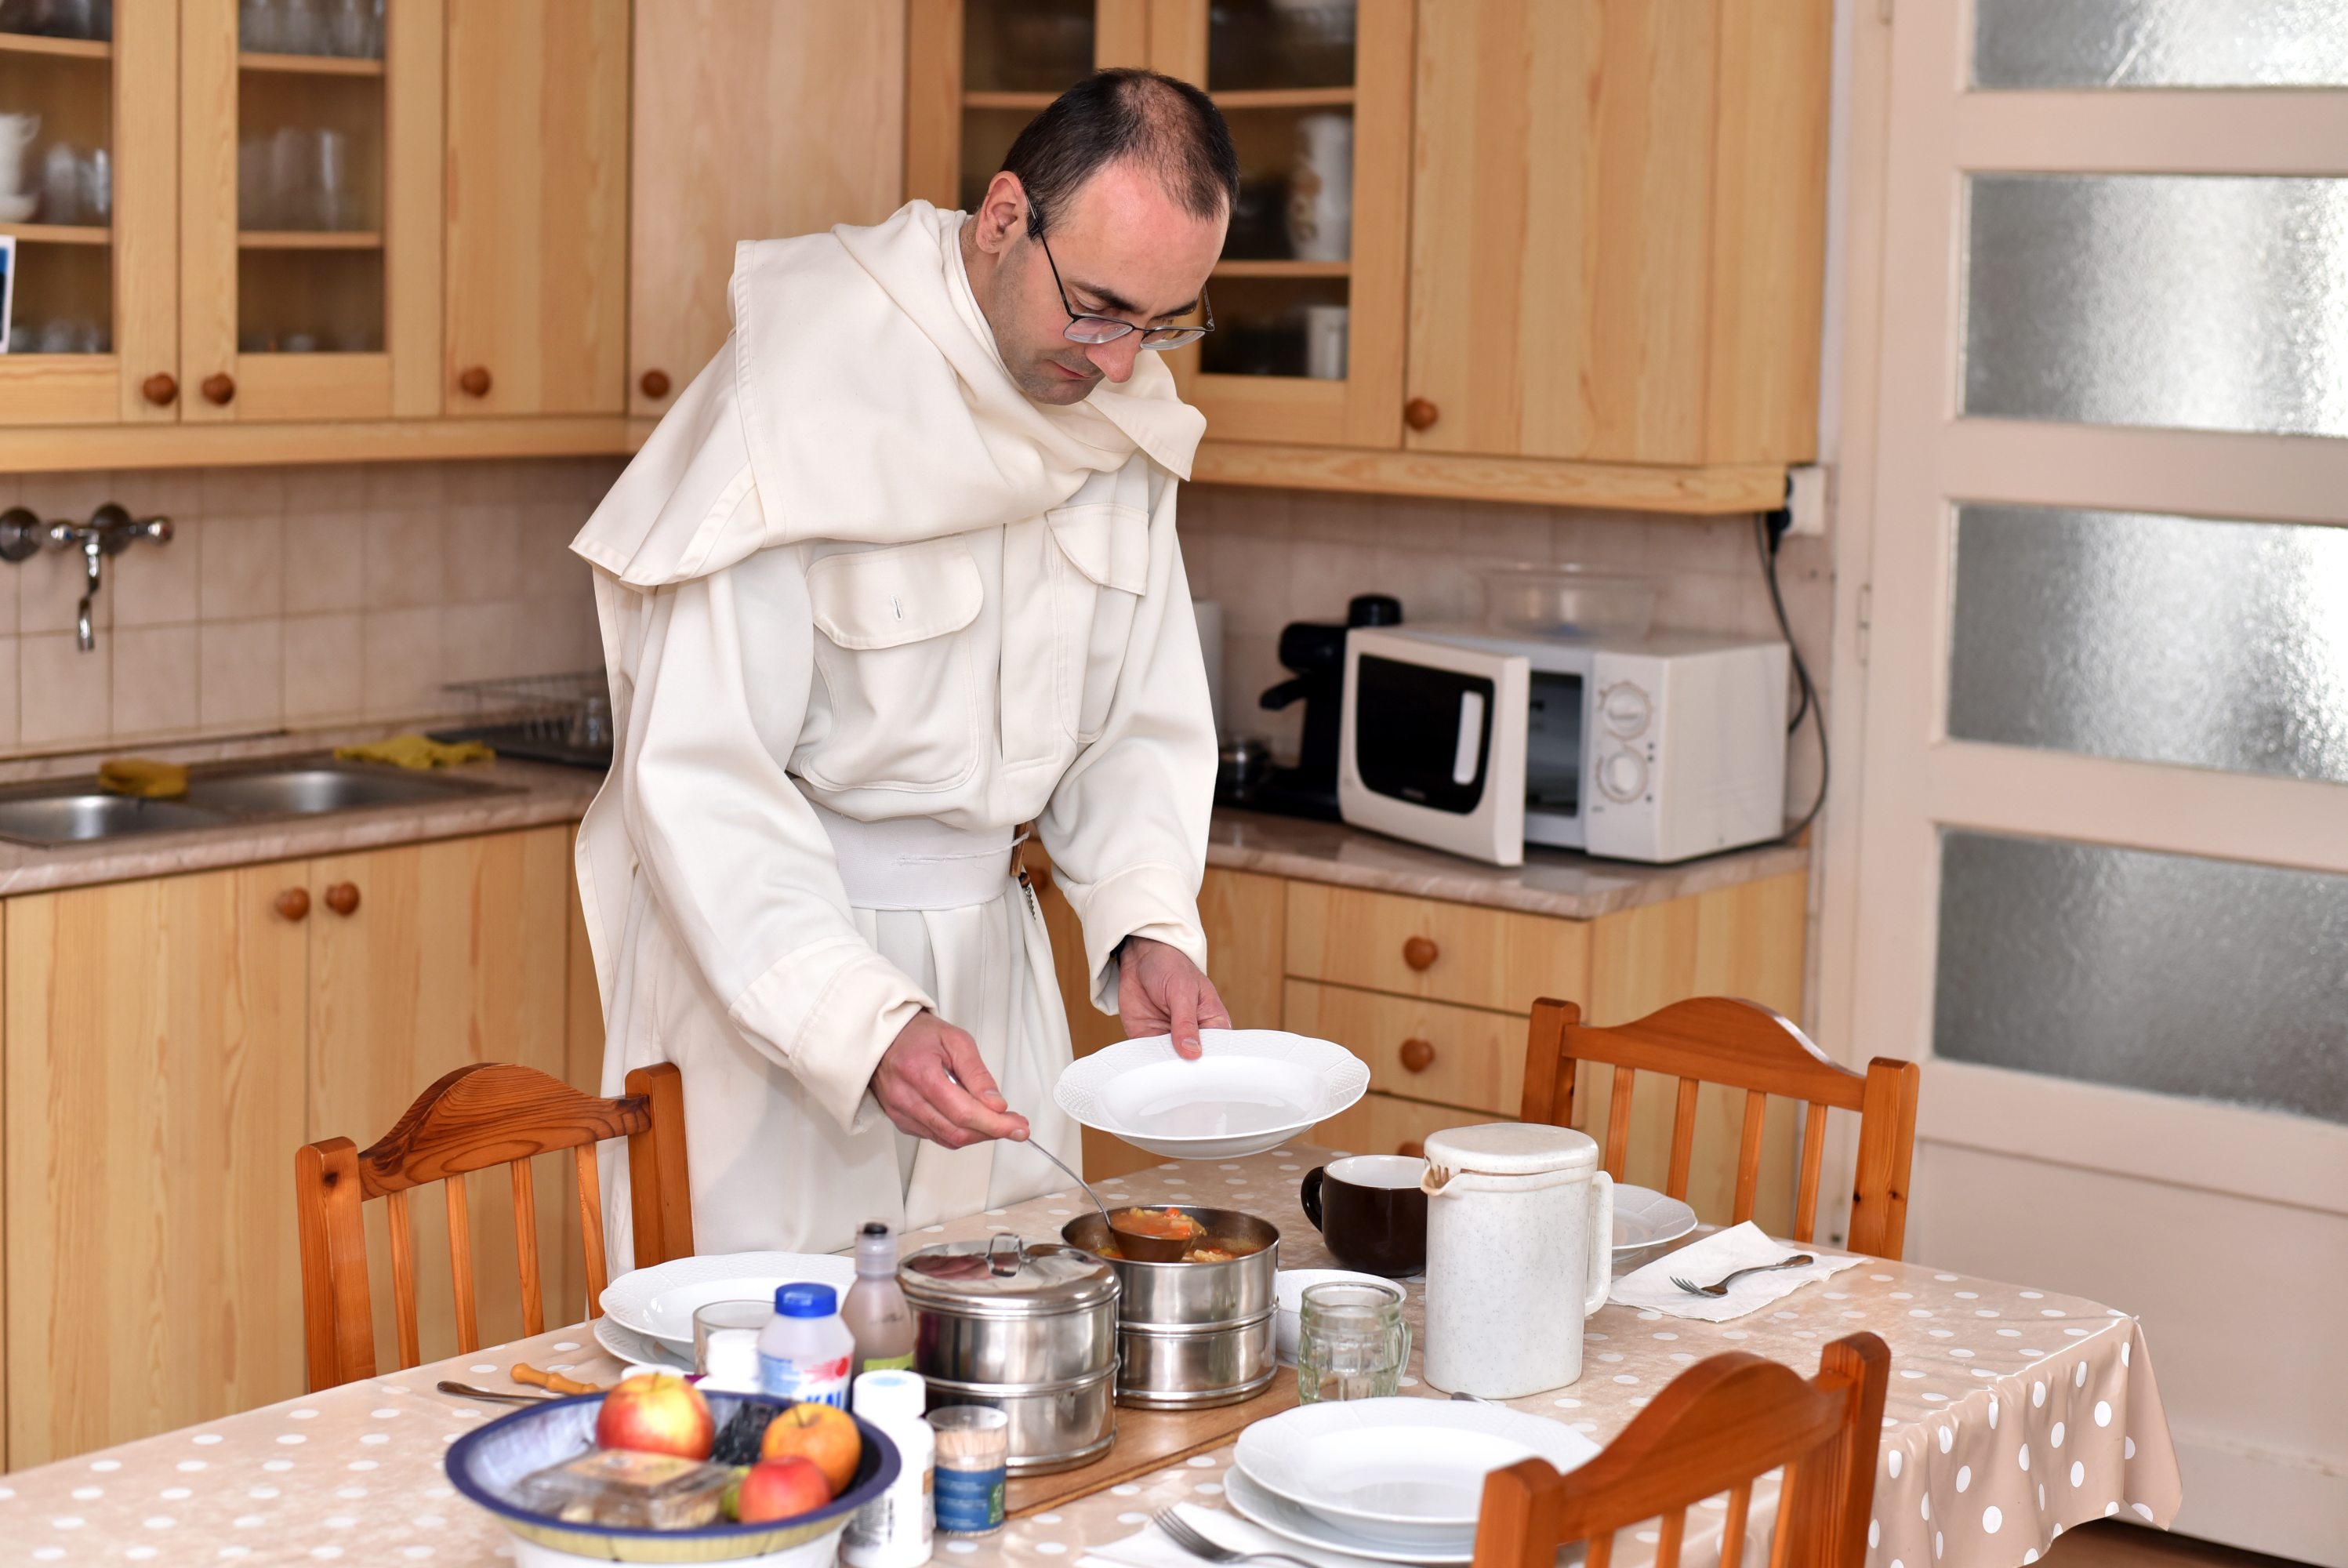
[[654, 1413], [782, 1488]]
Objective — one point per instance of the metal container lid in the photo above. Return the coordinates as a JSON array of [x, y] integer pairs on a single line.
[[1005, 1277]]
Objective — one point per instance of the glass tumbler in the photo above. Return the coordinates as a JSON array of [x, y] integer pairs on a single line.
[[725, 1343], [1351, 1343]]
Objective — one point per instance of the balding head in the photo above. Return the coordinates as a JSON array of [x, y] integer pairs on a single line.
[[1167, 129]]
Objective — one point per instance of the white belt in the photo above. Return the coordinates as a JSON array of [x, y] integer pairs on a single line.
[[918, 862]]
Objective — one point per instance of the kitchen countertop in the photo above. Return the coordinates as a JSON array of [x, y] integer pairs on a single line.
[[1552, 882]]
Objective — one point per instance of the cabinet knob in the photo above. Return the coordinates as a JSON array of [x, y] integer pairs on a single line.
[[160, 390], [343, 897], [474, 381], [219, 387], [1420, 952], [1417, 1055], [1420, 415], [1411, 1149], [654, 383], [293, 903]]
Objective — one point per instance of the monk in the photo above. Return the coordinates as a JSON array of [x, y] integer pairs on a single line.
[[897, 573]]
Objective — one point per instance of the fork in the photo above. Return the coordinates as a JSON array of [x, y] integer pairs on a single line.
[[1184, 1534], [1721, 1287]]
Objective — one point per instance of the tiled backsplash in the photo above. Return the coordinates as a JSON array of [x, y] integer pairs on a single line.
[[1274, 556], [295, 596]]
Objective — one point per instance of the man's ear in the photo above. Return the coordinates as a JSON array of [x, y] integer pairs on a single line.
[[1002, 214]]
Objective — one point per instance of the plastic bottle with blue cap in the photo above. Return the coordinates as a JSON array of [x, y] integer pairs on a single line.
[[805, 1352]]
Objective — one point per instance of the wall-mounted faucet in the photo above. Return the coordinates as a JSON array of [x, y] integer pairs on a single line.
[[109, 531]]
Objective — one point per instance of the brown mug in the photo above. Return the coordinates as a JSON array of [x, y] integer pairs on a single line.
[[1371, 1211]]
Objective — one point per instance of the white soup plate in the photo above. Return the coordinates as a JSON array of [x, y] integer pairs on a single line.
[[1645, 1218], [1250, 1091], [1252, 1501], [1403, 1470], [660, 1301], [640, 1349]]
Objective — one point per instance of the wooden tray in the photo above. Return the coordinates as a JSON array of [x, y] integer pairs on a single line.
[[1149, 1440]]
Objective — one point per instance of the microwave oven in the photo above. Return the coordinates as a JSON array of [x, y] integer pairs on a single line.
[[1478, 742]]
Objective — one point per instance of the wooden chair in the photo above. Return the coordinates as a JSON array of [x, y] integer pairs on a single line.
[[488, 1114], [1739, 1045], [1715, 1428]]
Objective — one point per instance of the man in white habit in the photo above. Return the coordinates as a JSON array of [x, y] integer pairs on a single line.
[[897, 573]]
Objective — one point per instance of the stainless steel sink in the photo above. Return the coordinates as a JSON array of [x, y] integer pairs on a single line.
[[87, 814], [308, 790], [70, 811]]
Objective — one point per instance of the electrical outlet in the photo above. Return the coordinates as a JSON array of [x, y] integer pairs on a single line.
[[1806, 499]]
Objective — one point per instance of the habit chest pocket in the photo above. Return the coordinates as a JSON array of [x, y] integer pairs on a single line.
[[895, 671]]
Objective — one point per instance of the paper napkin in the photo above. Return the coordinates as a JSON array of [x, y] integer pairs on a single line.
[[1715, 1257]]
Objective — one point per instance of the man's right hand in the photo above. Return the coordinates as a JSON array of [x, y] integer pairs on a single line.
[[933, 1085]]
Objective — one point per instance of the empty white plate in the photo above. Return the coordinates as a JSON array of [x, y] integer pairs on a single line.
[[1251, 1089], [1645, 1218], [1252, 1501], [640, 1349], [1403, 1470], [660, 1301]]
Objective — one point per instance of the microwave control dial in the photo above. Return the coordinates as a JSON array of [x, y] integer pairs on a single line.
[[1623, 776], [1625, 710]]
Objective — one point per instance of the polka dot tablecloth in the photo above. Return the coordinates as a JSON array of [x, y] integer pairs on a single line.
[[2012, 1414]]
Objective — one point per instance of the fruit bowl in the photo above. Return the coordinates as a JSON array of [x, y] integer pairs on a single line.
[[485, 1466]]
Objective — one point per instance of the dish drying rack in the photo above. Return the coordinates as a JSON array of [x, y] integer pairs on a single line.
[[564, 719]]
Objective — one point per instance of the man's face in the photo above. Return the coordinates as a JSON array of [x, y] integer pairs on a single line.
[[1125, 249]]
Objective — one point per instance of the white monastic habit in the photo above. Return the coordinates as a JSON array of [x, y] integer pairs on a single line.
[[865, 607]]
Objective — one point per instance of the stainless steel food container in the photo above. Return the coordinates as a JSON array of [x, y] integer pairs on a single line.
[[1193, 1335], [1030, 1330]]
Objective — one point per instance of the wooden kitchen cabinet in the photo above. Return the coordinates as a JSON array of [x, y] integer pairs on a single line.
[[751, 122], [451, 953], [154, 1088], [96, 297], [536, 280]]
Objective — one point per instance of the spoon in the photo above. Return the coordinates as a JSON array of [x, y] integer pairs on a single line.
[[1079, 1181]]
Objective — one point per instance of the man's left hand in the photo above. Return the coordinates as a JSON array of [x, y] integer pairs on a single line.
[[1161, 992]]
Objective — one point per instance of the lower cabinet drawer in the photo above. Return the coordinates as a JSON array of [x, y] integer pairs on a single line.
[[1420, 1050], [1385, 1124], [1459, 952]]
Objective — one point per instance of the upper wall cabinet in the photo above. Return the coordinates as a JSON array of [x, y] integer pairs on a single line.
[[752, 121], [92, 205], [309, 222], [536, 207], [1618, 229]]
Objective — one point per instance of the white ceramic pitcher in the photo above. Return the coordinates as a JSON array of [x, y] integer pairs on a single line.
[[1519, 1252]]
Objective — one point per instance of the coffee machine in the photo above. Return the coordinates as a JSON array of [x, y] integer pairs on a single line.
[[1315, 655]]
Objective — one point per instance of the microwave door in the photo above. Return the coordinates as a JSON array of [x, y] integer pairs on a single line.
[[1432, 745]]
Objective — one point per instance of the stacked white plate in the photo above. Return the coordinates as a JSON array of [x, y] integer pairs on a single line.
[[1394, 1481], [648, 1312]]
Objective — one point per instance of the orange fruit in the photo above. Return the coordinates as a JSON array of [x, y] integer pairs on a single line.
[[822, 1434]]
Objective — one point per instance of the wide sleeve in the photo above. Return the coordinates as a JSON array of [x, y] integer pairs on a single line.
[[1126, 826], [738, 865]]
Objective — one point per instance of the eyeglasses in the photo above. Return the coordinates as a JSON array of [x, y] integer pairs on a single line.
[[1097, 329]]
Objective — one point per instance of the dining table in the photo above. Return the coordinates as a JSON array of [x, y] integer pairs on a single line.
[[2011, 1415]]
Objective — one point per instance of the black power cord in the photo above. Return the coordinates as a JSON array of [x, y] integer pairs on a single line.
[[1769, 529]]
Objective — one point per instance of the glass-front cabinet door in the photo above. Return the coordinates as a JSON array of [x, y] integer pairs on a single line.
[[87, 185], [310, 221], [978, 70], [1309, 296]]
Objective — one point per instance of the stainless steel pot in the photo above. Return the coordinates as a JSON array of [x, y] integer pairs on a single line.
[[1054, 1426], [1193, 1335], [1030, 1330]]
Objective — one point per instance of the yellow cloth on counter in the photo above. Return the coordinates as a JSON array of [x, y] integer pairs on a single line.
[[417, 752], [142, 777]]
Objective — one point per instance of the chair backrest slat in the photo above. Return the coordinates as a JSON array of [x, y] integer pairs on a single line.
[[525, 1211], [461, 1264], [1814, 1153], [403, 1278], [1675, 1181], [591, 1226], [1748, 1154], [1732, 1525], [1618, 1121], [486, 1114], [1720, 1424], [1740, 1045]]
